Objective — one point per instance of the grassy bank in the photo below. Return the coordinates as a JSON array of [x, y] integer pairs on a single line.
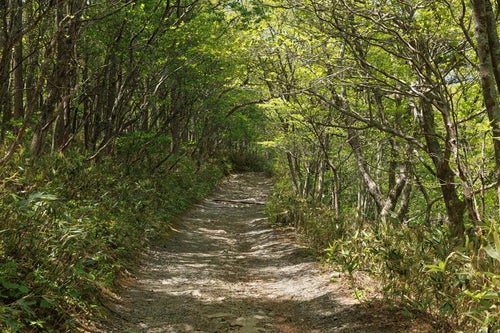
[[414, 263], [70, 228]]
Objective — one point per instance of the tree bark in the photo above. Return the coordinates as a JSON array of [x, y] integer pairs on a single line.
[[69, 22], [5, 62], [488, 51], [455, 207], [18, 62]]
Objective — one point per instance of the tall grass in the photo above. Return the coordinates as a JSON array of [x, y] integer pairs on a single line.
[[414, 263], [69, 229]]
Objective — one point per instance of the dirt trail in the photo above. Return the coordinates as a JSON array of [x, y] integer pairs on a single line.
[[226, 270]]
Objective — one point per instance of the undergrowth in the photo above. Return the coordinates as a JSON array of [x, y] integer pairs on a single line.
[[68, 229], [459, 287]]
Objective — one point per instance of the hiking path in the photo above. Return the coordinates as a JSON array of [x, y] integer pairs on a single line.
[[224, 268]]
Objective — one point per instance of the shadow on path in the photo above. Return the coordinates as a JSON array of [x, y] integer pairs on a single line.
[[225, 269]]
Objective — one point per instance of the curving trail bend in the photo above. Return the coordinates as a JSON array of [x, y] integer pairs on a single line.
[[224, 269]]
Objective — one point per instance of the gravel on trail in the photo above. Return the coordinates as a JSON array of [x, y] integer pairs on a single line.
[[224, 268]]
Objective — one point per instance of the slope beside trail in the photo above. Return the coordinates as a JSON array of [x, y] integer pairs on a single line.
[[225, 269]]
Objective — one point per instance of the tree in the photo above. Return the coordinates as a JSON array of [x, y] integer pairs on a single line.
[[397, 73], [79, 73], [488, 52]]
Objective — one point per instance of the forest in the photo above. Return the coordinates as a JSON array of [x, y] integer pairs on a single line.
[[378, 119]]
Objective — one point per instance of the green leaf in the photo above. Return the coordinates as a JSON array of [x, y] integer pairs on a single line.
[[446, 308], [23, 289], [492, 251], [41, 196], [45, 303], [15, 286], [440, 267], [25, 305], [9, 285], [490, 295], [37, 323]]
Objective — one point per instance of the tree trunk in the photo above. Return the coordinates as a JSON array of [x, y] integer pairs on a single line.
[[455, 207], [295, 173], [57, 83], [5, 62], [67, 56], [175, 116], [18, 62], [335, 192], [488, 51]]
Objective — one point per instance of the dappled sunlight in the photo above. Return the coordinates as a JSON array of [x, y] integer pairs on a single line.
[[226, 270]]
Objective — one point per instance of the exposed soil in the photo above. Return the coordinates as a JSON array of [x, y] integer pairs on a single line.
[[225, 269]]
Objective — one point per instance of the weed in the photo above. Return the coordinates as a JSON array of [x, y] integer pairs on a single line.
[[69, 230], [415, 263]]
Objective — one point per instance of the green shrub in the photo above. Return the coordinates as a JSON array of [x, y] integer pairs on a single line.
[[414, 263], [69, 229]]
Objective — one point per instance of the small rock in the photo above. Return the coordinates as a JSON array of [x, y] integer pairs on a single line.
[[261, 317], [243, 321], [335, 275]]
